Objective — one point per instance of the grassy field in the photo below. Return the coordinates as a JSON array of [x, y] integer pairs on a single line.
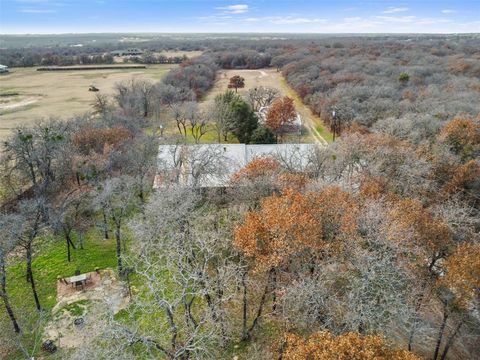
[[27, 95], [274, 79], [49, 263], [253, 79]]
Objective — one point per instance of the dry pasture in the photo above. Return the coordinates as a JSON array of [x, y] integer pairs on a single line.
[[27, 95], [253, 78]]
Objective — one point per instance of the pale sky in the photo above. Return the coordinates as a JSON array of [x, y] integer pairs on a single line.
[[281, 16]]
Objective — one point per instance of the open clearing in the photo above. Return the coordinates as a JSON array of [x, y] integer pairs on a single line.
[[103, 289], [27, 95], [274, 79], [253, 79]]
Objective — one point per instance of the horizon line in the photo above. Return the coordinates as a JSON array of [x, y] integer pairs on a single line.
[[240, 33]]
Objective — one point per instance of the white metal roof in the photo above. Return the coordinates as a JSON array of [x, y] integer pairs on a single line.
[[212, 165]]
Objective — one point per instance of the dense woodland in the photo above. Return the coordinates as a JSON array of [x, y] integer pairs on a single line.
[[369, 251]]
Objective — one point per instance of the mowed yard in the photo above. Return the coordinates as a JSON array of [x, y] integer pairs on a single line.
[[27, 95], [274, 79]]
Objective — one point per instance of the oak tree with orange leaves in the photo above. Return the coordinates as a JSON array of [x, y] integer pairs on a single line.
[[293, 221], [462, 282], [236, 82], [281, 116], [91, 161], [296, 181], [263, 176], [463, 136], [271, 235], [257, 169], [96, 140], [350, 346], [424, 241], [294, 230], [414, 228], [255, 180], [464, 182]]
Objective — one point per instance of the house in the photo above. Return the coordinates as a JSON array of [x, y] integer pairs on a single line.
[[127, 52], [212, 165], [3, 69]]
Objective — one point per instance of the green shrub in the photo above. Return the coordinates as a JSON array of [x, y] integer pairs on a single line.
[[404, 77]]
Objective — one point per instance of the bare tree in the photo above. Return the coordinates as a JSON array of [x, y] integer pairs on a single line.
[[168, 94], [118, 197], [100, 104], [68, 213], [138, 159], [260, 97], [182, 113], [198, 126], [205, 166], [201, 270], [27, 342], [135, 96], [145, 90], [7, 241], [29, 223], [37, 157]]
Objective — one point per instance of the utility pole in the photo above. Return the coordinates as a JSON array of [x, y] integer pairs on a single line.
[[334, 125]]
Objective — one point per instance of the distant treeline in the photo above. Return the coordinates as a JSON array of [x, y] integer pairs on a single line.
[[37, 57], [245, 59], [84, 54], [151, 58], [26, 58], [196, 75], [361, 79]]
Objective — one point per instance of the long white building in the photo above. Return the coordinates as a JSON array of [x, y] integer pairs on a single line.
[[213, 165]]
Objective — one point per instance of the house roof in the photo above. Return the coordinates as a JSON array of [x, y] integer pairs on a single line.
[[213, 165]]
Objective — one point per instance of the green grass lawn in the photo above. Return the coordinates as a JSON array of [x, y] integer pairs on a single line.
[[51, 262], [327, 135], [210, 137]]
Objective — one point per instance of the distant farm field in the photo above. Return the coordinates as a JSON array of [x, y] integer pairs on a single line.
[[27, 95], [274, 79]]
